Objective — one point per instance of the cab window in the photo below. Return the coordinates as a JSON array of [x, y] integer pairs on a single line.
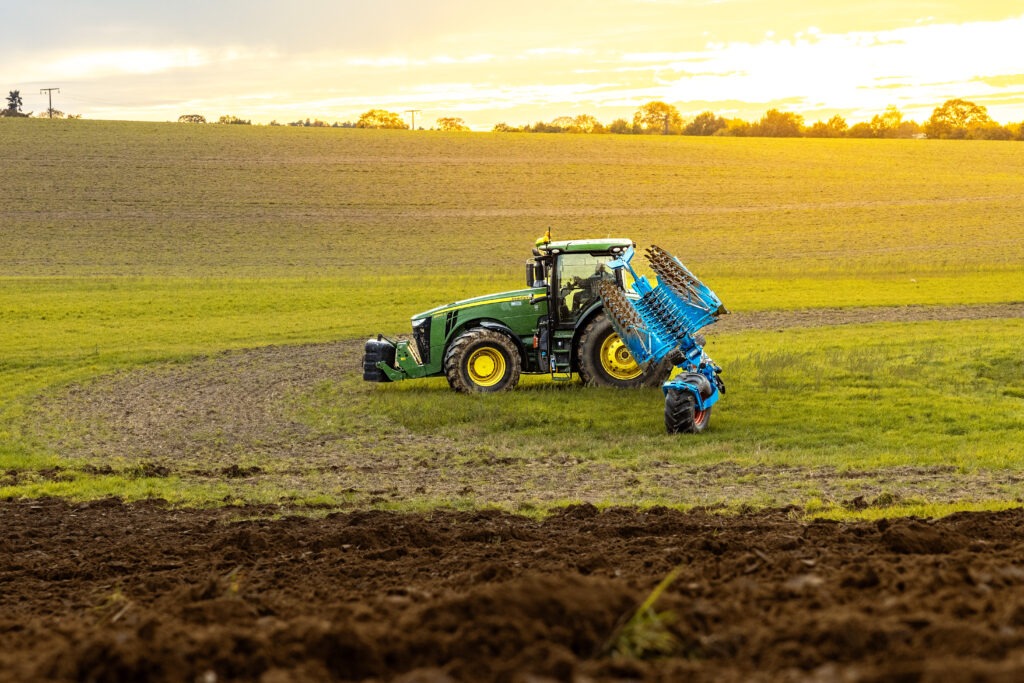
[[578, 278]]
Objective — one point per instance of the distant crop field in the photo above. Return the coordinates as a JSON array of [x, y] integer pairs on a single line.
[[115, 198], [134, 254]]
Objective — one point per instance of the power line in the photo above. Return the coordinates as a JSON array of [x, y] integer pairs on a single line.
[[413, 112], [49, 92]]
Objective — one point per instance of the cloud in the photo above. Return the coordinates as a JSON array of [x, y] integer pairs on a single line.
[[845, 70]]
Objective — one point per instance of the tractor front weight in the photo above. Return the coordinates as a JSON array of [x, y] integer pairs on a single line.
[[389, 361]]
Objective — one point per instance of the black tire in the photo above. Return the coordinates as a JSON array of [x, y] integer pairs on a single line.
[[596, 373], [681, 414], [480, 345]]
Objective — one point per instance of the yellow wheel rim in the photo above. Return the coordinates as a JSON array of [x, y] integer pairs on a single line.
[[616, 359], [486, 366]]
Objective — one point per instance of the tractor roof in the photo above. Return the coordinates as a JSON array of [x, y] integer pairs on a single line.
[[584, 246]]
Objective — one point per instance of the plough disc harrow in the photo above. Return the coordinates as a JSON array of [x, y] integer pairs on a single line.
[[661, 322]]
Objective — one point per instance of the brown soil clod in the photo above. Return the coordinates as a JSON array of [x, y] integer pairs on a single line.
[[112, 591]]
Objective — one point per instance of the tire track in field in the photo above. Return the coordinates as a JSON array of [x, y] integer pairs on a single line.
[[194, 210], [822, 317]]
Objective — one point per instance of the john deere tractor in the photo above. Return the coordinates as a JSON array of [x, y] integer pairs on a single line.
[[574, 316]]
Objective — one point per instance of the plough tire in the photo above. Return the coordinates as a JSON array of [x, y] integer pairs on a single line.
[[681, 414]]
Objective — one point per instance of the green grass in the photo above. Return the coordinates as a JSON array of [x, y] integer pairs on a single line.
[[83, 486], [911, 509], [870, 396]]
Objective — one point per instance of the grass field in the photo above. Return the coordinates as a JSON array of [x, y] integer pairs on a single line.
[[129, 244]]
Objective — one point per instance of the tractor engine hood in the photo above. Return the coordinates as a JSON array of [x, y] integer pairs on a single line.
[[514, 298]]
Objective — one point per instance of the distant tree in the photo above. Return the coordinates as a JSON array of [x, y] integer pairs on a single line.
[[818, 129], [585, 123], [379, 118], [952, 119], [734, 128], [274, 123], [835, 127], [887, 124], [234, 120], [505, 128], [191, 118], [562, 123], [73, 116], [658, 118], [558, 125], [988, 131], [14, 101], [50, 114], [620, 127], [347, 124], [317, 123], [778, 124], [705, 123], [452, 124], [1016, 130], [908, 129], [861, 130]]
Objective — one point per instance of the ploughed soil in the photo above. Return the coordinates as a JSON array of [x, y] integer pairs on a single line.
[[105, 591]]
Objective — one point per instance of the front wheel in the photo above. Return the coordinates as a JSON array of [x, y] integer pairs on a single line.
[[605, 361], [481, 360], [681, 414]]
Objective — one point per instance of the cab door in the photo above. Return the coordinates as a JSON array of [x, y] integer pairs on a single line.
[[575, 285]]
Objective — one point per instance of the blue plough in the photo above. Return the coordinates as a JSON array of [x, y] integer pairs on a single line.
[[660, 323]]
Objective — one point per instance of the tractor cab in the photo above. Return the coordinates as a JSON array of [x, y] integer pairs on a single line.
[[571, 271]]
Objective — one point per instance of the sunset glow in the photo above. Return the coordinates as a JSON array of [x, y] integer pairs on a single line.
[[521, 63]]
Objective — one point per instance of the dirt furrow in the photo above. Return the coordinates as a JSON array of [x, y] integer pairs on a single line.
[[106, 591]]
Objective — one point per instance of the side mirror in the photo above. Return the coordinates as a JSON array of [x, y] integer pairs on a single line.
[[530, 273], [538, 273]]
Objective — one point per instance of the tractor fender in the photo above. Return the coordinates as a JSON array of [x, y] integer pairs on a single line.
[[705, 393], [581, 325], [497, 327], [588, 315]]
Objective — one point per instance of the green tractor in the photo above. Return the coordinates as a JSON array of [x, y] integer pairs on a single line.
[[556, 326]]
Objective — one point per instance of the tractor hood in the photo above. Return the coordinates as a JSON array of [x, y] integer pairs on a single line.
[[518, 296]]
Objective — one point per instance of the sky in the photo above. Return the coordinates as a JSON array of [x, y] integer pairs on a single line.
[[517, 62]]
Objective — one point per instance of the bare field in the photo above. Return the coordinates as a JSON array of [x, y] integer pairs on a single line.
[[142, 592], [171, 199]]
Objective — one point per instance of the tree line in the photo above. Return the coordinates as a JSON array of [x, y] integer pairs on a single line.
[[955, 119], [374, 118]]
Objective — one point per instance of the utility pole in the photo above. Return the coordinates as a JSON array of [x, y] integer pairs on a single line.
[[413, 112], [666, 124], [49, 91]]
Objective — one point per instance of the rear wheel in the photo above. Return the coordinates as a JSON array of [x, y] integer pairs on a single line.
[[605, 361], [681, 414], [481, 360]]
